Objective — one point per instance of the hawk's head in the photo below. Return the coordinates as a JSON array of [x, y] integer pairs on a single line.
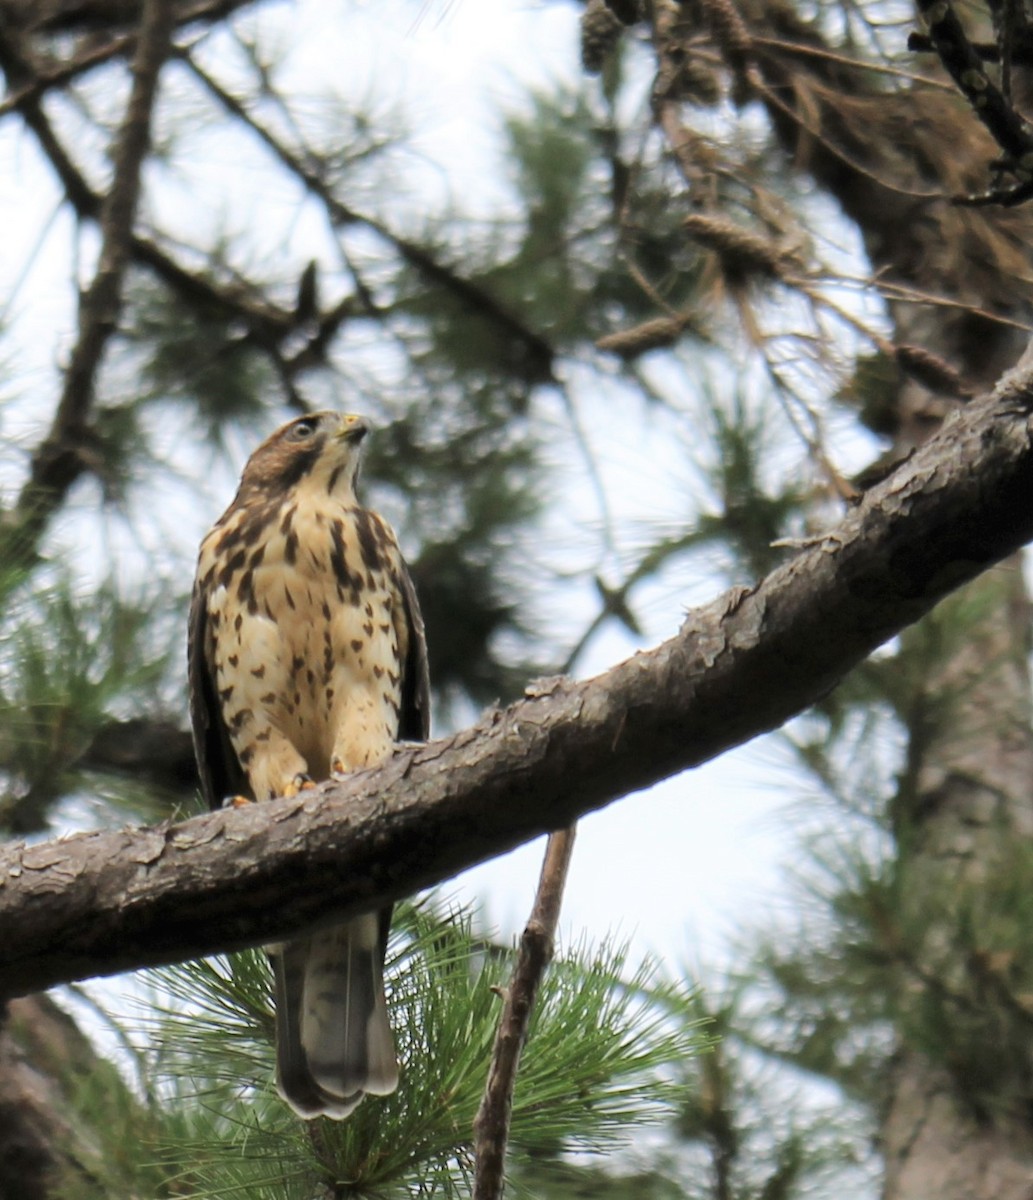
[[320, 451]]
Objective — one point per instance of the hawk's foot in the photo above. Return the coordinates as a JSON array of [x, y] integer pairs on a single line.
[[338, 767], [300, 783], [236, 801]]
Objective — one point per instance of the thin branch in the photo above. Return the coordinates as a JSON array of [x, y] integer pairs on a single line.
[[758, 67], [616, 601], [491, 1126], [989, 52], [49, 74], [965, 66], [109, 901], [533, 355], [263, 319], [59, 460], [916, 41], [313, 353], [60, 74]]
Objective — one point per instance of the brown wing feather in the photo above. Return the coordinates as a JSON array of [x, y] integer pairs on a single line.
[[414, 719], [221, 774]]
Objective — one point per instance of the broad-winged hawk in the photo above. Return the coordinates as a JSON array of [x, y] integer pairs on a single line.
[[307, 658]]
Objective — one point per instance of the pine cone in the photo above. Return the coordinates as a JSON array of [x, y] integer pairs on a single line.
[[600, 32], [650, 335], [743, 253], [932, 372]]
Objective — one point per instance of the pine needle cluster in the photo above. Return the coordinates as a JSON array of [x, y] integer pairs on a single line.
[[601, 1062]]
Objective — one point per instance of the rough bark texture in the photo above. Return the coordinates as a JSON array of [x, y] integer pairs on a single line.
[[99, 903], [965, 803], [893, 159], [933, 1147]]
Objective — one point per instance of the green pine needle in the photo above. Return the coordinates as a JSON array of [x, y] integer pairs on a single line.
[[600, 1062]]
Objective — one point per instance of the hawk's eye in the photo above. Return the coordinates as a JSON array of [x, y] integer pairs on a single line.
[[302, 430]]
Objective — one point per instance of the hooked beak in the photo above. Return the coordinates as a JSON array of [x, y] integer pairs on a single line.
[[352, 429]]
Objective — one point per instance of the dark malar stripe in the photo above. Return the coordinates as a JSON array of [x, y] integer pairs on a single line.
[[300, 465]]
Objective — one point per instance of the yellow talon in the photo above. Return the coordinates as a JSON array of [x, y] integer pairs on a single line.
[[298, 784], [237, 802]]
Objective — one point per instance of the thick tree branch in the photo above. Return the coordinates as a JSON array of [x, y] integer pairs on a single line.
[[104, 902], [149, 749]]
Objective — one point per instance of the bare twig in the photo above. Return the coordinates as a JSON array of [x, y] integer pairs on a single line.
[[616, 601], [261, 317], [58, 75], [756, 67], [77, 17], [990, 104], [265, 321], [532, 356], [491, 1126], [60, 460], [1021, 50], [118, 44]]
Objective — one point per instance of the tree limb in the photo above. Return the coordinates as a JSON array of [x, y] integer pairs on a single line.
[[110, 901], [59, 460], [532, 353], [265, 320], [491, 1126], [44, 1057], [965, 66], [149, 749], [57, 76]]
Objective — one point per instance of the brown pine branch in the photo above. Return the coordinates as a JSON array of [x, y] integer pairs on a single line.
[[150, 750], [40, 1150], [532, 354], [64, 73], [266, 322], [965, 66], [109, 901], [313, 352], [491, 1126], [263, 319], [988, 52], [60, 460], [616, 601], [99, 17]]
